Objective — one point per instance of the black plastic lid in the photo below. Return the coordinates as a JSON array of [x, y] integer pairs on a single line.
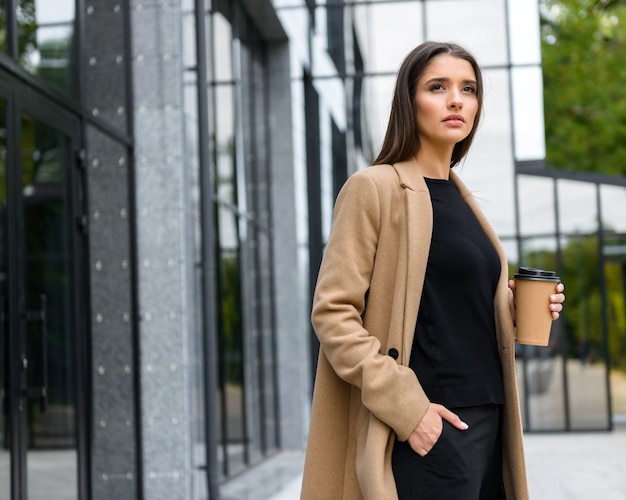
[[529, 273]]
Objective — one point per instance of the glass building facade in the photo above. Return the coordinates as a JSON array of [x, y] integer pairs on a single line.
[[167, 177]]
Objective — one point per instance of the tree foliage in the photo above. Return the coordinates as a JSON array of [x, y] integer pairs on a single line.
[[584, 65]]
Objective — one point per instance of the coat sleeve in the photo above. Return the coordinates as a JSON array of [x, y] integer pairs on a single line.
[[390, 391]]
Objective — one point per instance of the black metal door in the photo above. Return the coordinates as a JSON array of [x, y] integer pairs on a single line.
[[42, 327]]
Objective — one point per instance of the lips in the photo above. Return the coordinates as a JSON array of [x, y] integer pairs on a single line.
[[454, 120]]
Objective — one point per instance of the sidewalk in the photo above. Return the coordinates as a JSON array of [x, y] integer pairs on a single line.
[[561, 466], [577, 466]]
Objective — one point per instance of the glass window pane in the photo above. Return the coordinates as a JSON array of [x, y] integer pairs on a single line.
[[488, 169], [188, 20], [583, 324], [536, 205], [384, 48], [528, 119], [225, 144], [613, 206], [3, 26], [524, 32], [541, 377], [481, 27], [578, 211], [222, 49], [376, 105], [50, 330], [615, 278], [45, 32], [230, 340], [512, 254], [541, 373], [539, 252], [614, 253]]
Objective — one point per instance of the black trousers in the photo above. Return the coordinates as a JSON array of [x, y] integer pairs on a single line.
[[463, 465]]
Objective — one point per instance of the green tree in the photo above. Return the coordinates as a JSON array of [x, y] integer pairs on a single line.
[[584, 65]]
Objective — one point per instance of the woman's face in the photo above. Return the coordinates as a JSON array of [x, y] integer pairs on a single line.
[[446, 101]]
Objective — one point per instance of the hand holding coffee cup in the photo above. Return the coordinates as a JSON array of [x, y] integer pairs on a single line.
[[538, 301]]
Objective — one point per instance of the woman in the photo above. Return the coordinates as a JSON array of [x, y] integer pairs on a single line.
[[415, 393]]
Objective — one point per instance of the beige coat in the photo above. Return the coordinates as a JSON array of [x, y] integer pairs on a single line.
[[363, 398]]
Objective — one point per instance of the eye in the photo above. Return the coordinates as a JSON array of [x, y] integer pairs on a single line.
[[436, 86], [469, 89]]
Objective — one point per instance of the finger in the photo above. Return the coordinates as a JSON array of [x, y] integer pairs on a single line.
[[556, 307], [560, 287], [557, 298], [454, 419], [512, 284]]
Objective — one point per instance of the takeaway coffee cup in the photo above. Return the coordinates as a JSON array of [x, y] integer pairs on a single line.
[[532, 300]]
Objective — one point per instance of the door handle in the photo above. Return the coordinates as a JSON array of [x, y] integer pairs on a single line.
[[40, 390]]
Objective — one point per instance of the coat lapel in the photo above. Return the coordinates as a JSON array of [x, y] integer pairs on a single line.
[[419, 216]]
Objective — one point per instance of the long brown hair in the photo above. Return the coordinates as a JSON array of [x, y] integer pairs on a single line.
[[402, 139]]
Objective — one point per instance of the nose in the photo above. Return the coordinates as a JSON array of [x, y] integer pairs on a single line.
[[456, 101]]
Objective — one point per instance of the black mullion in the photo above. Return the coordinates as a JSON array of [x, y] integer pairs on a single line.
[[81, 312], [82, 280], [11, 21], [208, 253]]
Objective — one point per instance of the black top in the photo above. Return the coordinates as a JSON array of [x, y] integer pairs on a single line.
[[455, 353]]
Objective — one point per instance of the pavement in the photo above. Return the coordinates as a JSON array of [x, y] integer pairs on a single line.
[[560, 466], [576, 466]]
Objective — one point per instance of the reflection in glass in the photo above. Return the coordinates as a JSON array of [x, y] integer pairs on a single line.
[[3, 26], [539, 252], [489, 167], [542, 389], [222, 39], [584, 322], [256, 262], [247, 385], [527, 93], [376, 106], [615, 278], [488, 45], [512, 255], [383, 48], [49, 333], [230, 342], [524, 32], [536, 205], [613, 203], [578, 211], [225, 144], [613, 206], [45, 31]]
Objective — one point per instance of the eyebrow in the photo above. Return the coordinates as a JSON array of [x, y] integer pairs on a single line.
[[446, 79]]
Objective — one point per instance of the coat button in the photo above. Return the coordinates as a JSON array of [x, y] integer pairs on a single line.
[[394, 353]]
